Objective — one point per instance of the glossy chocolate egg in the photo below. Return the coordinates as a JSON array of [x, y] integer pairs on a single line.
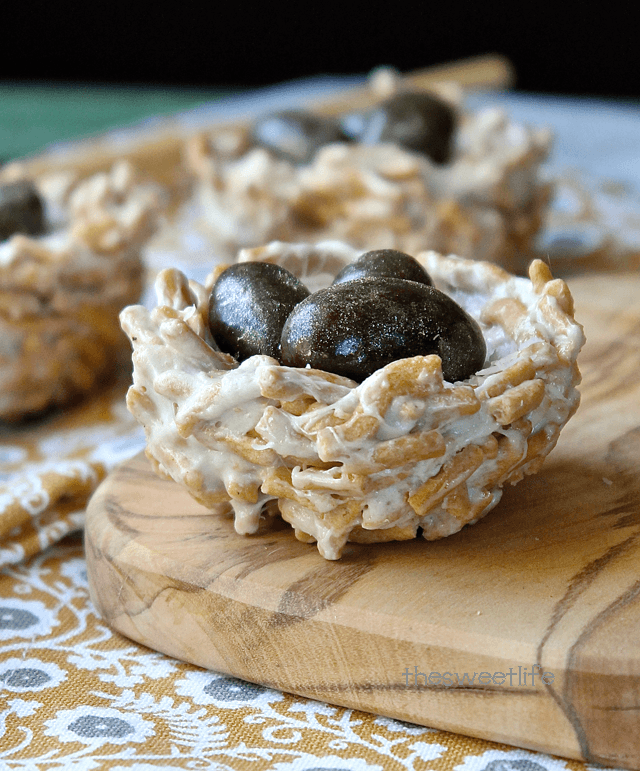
[[295, 135], [384, 262], [356, 327], [248, 306], [415, 120], [21, 210]]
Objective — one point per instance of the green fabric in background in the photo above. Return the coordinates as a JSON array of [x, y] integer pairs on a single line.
[[33, 116]]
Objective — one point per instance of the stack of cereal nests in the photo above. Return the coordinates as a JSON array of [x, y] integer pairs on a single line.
[[399, 453], [61, 291], [486, 202]]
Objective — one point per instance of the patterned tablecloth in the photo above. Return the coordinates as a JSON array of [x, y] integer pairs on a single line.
[[74, 695]]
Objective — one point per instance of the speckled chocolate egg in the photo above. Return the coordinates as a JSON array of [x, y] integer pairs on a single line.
[[356, 327], [248, 306], [415, 120], [21, 210], [384, 262], [296, 135]]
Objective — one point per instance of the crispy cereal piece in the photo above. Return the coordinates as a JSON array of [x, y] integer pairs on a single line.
[[410, 448], [452, 474], [516, 402]]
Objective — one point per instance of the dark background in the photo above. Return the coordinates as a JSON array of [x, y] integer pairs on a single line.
[[554, 49]]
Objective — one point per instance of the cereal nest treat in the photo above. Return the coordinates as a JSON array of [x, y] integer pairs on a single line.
[[399, 454], [70, 260], [478, 193]]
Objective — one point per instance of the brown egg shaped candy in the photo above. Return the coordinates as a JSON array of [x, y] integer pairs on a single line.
[[249, 305], [384, 262], [415, 120], [357, 327], [295, 135], [21, 210]]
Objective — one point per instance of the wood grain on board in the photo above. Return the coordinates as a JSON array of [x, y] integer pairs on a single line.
[[549, 580]]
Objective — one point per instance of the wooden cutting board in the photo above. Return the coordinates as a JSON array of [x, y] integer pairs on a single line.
[[549, 580]]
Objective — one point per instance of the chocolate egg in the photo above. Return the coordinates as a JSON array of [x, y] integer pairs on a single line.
[[295, 135], [356, 327], [248, 306], [384, 262], [21, 210], [415, 120]]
